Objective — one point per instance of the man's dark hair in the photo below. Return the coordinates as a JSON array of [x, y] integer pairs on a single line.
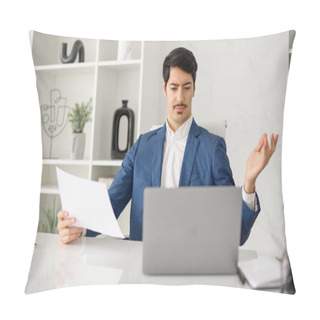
[[181, 58]]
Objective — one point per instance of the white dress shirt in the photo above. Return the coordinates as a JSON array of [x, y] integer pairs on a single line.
[[173, 151]]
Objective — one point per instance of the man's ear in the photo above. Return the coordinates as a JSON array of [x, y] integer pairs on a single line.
[[194, 90], [164, 88]]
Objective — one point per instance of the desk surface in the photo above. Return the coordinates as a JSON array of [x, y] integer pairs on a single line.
[[93, 261]]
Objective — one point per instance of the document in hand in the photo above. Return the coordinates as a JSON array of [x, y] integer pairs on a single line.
[[88, 201]]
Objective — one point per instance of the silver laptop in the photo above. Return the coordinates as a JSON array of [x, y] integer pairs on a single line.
[[191, 230]]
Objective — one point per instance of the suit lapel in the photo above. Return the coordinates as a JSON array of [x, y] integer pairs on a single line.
[[157, 155], [190, 153]]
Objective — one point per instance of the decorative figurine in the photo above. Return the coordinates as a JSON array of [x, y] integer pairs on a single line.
[[77, 48]]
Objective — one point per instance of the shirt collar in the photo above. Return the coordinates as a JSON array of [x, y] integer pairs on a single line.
[[182, 132]]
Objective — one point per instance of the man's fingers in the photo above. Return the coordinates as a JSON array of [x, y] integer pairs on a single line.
[[66, 233], [65, 223], [261, 143], [69, 238], [62, 214], [70, 231], [276, 141], [264, 144], [265, 149], [273, 142]]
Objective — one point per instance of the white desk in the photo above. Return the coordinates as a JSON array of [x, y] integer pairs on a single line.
[[92, 261]]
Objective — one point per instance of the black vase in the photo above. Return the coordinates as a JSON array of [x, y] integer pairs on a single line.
[[124, 111]]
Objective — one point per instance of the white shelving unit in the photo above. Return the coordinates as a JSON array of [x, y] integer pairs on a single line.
[[107, 81]]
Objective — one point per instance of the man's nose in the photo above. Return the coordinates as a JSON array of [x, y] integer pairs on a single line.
[[180, 96]]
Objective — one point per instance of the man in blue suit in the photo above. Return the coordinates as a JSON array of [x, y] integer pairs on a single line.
[[181, 153]]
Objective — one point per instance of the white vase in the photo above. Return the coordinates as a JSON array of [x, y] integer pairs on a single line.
[[77, 145], [125, 50]]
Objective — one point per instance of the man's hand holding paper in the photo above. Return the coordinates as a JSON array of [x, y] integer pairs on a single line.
[[66, 233], [88, 206]]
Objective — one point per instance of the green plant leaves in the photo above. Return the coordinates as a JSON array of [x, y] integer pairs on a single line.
[[48, 219], [80, 115]]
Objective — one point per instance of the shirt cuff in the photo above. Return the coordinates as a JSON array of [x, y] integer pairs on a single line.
[[250, 199], [84, 232]]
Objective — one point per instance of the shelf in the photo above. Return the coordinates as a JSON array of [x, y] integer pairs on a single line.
[[49, 190], [63, 68], [107, 163], [80, 67], [66, 162], [121, 65]]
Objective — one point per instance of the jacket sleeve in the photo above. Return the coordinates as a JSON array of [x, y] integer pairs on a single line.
[[248, 218]]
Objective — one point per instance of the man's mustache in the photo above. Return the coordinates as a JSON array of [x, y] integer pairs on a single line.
[[180, 105]]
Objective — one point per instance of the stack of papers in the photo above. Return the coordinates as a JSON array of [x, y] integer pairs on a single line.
[[88, 201], [262, 272]]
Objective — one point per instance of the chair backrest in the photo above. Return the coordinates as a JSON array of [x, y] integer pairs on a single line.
[[156, 126], [217, 127]]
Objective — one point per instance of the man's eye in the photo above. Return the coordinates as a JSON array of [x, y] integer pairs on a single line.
[[187, 88], [173, 88]]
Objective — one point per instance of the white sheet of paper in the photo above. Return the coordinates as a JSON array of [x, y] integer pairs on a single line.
[[88, 201], [262, 272]]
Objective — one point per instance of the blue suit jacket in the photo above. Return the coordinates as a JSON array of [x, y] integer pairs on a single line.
[[205, 163]]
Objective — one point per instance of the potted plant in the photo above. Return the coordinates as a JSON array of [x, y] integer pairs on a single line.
[[78, 118]]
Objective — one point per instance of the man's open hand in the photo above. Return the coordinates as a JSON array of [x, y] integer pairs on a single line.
[[258, 160]]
